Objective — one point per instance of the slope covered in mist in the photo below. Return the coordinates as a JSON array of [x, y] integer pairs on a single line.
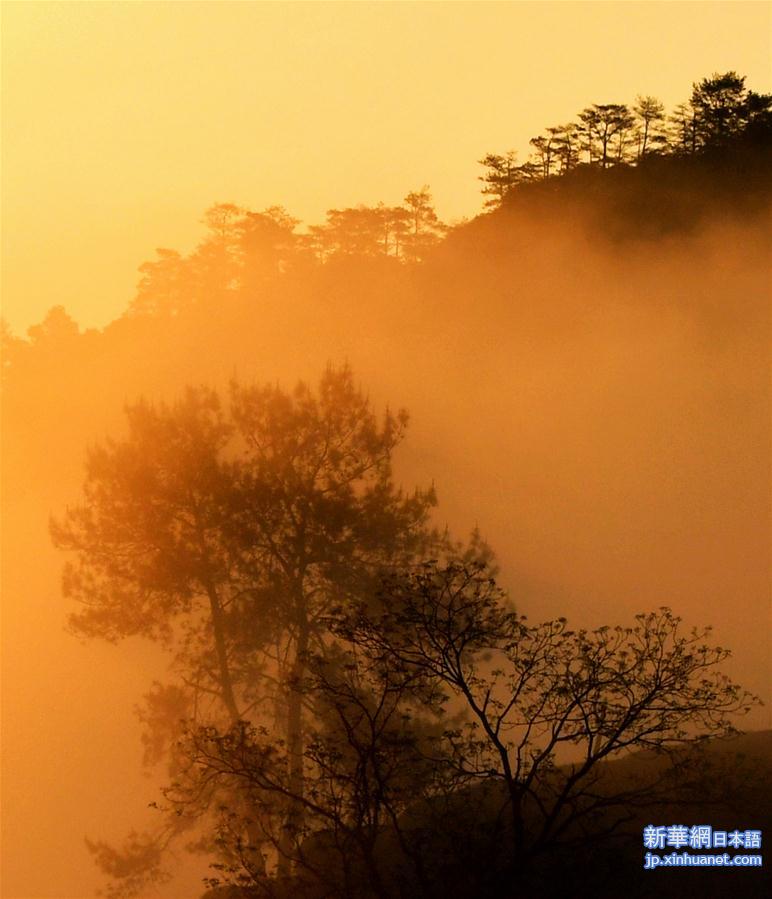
[[586, 370]]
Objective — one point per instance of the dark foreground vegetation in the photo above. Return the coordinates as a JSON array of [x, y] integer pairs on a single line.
[[724, 781], [354, 705], [357, 710]]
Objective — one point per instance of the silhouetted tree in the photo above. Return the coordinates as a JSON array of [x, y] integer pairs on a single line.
[[567, 146], [166, 287], [720, 106], [268, 245], [501, 176], [604, 125], [227, 533], [649, 113], [719, 111], [530, 689], [217, 260], [358, 231], [395, 229], [440, 701], [423, 227], [545, 147], [402, 232], [758, 114], [685, 124]]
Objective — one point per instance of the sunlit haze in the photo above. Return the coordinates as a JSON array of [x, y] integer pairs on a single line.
[[122, 122], [580, 337]]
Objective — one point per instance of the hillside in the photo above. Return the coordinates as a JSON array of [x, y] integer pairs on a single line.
[[586, 370]]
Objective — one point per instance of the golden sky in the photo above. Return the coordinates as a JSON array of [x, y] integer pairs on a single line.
[[123, 121]]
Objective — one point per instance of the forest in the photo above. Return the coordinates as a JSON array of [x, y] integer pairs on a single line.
[[712, 148], [464, 651]]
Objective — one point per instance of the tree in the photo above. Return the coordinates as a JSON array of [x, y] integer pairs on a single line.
[[366, 759], [166, 286], [268, 244], [357, 231], [650, 114], [395, 229], [227, 532], [556, 144], [500, 177], [720, 105], [442, 699], [602, 124], [567, 140], [424, 228], [685, 123], [544, 147], [758, 114], [216, 263], [376, 231], [529, 689], [56, 328]]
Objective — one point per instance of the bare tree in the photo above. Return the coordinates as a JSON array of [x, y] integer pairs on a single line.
[[440, 697]]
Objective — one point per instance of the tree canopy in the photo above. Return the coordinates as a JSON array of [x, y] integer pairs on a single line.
[[227, 532], [441, 709], [720, 110]]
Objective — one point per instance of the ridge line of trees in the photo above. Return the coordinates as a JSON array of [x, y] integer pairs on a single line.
[[246, 252], [719, 111]]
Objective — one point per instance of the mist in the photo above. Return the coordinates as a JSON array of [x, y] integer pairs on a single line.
[[596, 404]]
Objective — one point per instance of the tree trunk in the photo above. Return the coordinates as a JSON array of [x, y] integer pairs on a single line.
[[295, 745], [218, 627], [254, 834]]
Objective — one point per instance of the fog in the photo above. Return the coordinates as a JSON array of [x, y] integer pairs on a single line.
[[599, 406]]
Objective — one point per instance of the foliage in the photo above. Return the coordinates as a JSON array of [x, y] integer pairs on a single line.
[[404, 232], [501, 176], [244, 254], [226, 533], [137, 865], [719, 111], [438, 697], [249, 538]]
